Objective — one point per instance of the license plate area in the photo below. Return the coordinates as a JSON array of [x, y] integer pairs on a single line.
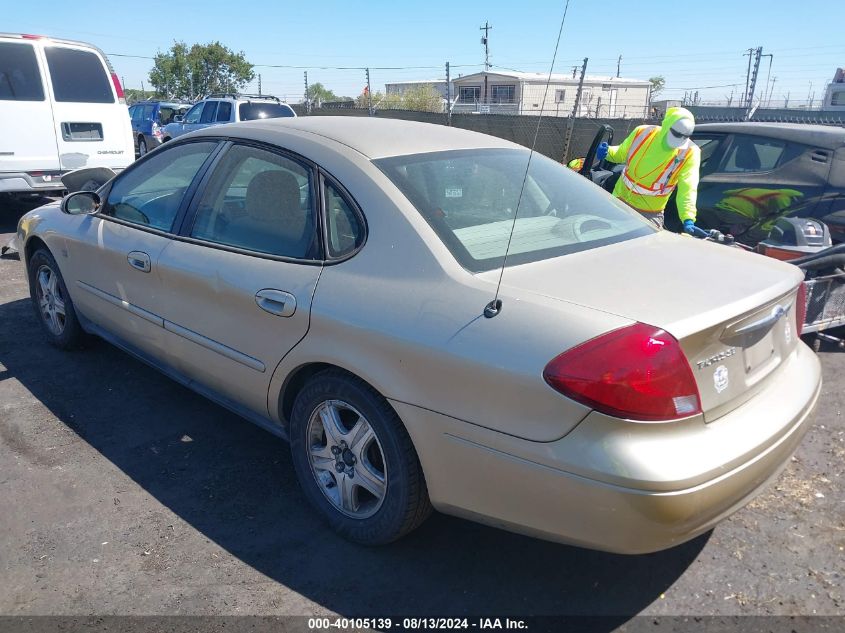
[[758, 356]]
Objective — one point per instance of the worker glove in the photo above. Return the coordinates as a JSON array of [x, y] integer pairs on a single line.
[[689, 227], [601, 151]]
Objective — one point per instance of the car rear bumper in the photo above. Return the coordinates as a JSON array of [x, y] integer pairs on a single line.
[[618, 486], [22, 182]]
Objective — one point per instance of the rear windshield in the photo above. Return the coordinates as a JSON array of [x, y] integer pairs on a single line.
[[166, 112], [78, 76], [469, 197], [20, 79], [249, 111]]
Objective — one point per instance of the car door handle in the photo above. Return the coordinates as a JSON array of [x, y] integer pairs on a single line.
[[276, 302], [139, 260]]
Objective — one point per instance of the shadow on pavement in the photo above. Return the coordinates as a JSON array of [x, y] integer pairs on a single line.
[[235, 484]]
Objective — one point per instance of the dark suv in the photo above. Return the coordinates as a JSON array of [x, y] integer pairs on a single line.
[[148, 119]]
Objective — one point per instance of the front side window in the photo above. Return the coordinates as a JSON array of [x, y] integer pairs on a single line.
[[78, 76], [193, 115], [753, 153], [151, 193], [838, 98], [709, 145], [259, 201], [20, 79], [470, 198]]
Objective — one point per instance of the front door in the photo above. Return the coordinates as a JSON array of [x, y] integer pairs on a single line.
[[238, 285], [113, 257]]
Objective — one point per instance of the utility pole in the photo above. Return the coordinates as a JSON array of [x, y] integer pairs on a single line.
[[259, 84], [574, 71], [369, 95], [307, 97], [809, 96], [786, 101], [619, 66], [747, 75], [570, 124], [749, 100], [485, 39], [448, 96], [771, 92], [768, 74]]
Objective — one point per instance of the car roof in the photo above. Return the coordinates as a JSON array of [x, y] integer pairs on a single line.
[[371, 136], [827, 136]]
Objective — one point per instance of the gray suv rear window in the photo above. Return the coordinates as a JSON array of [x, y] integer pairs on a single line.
[[78, 76], [250, 111], [20, 79]]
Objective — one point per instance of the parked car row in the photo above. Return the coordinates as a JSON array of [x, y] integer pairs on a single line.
[[156, 122]]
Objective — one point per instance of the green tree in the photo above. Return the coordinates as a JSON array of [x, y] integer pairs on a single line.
[[319, 94], [424, 98], [657, 85], [190, 73]]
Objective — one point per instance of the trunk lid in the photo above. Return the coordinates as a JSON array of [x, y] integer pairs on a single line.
[[733, 312]]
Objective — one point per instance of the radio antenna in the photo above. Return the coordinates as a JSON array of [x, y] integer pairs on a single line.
[[495, 307]]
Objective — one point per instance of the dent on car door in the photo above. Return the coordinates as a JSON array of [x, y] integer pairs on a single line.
[[757, 181], [238, 285], [112, 258]]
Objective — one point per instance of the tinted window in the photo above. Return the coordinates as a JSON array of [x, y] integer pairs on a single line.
[[167, 112], [151, 193], [838, 98], [224, 112], [20, 79], [250, 111], [469, 197], [78, 76], [709, 146], [753, 153], [258, 201], [344, 228], [208, 112], [148, 112], [193, 115]]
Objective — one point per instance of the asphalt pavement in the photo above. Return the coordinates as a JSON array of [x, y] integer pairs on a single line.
[[122, 492]]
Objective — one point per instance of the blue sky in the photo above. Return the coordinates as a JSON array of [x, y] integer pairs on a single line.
[[693, 48]]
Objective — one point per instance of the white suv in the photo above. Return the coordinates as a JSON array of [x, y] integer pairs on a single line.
[[61, 108], [220, 108]]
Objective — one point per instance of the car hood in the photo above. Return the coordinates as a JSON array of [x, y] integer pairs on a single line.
[[674, 282]]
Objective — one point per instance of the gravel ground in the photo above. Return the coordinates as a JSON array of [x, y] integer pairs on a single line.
[[123, 493]]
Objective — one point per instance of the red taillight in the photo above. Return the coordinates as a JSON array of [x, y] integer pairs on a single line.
[[801, 308], [30, 36], [117, 87], [638, 372]]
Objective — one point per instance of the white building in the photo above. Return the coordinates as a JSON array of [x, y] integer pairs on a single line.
[[834, 96], [526, 93]]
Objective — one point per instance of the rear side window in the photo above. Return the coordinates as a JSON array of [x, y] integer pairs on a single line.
[[250, 111], [224, 112], [78, 76], [344, 228], [20, 79], [208, 112], [152, 193], [753, 153]]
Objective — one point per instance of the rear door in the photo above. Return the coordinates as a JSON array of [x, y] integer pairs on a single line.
[[756, 180], [92, 127], [27, 138], [238, 284]]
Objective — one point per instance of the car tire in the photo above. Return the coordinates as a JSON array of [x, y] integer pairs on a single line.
[[142, 146], [340, 429], [52, 302]]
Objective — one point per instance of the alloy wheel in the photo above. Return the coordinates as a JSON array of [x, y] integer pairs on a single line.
[[51, 302]]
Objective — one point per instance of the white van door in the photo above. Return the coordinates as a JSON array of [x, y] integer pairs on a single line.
[[92, 127], [27, 141]]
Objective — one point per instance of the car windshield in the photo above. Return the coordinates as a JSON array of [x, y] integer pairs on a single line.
[[250, 111], [470, 197]]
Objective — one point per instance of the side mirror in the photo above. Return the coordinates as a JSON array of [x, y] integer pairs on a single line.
[[178, 118], [81, 203]]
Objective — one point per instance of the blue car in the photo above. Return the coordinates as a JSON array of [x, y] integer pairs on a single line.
[[149, 119]]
